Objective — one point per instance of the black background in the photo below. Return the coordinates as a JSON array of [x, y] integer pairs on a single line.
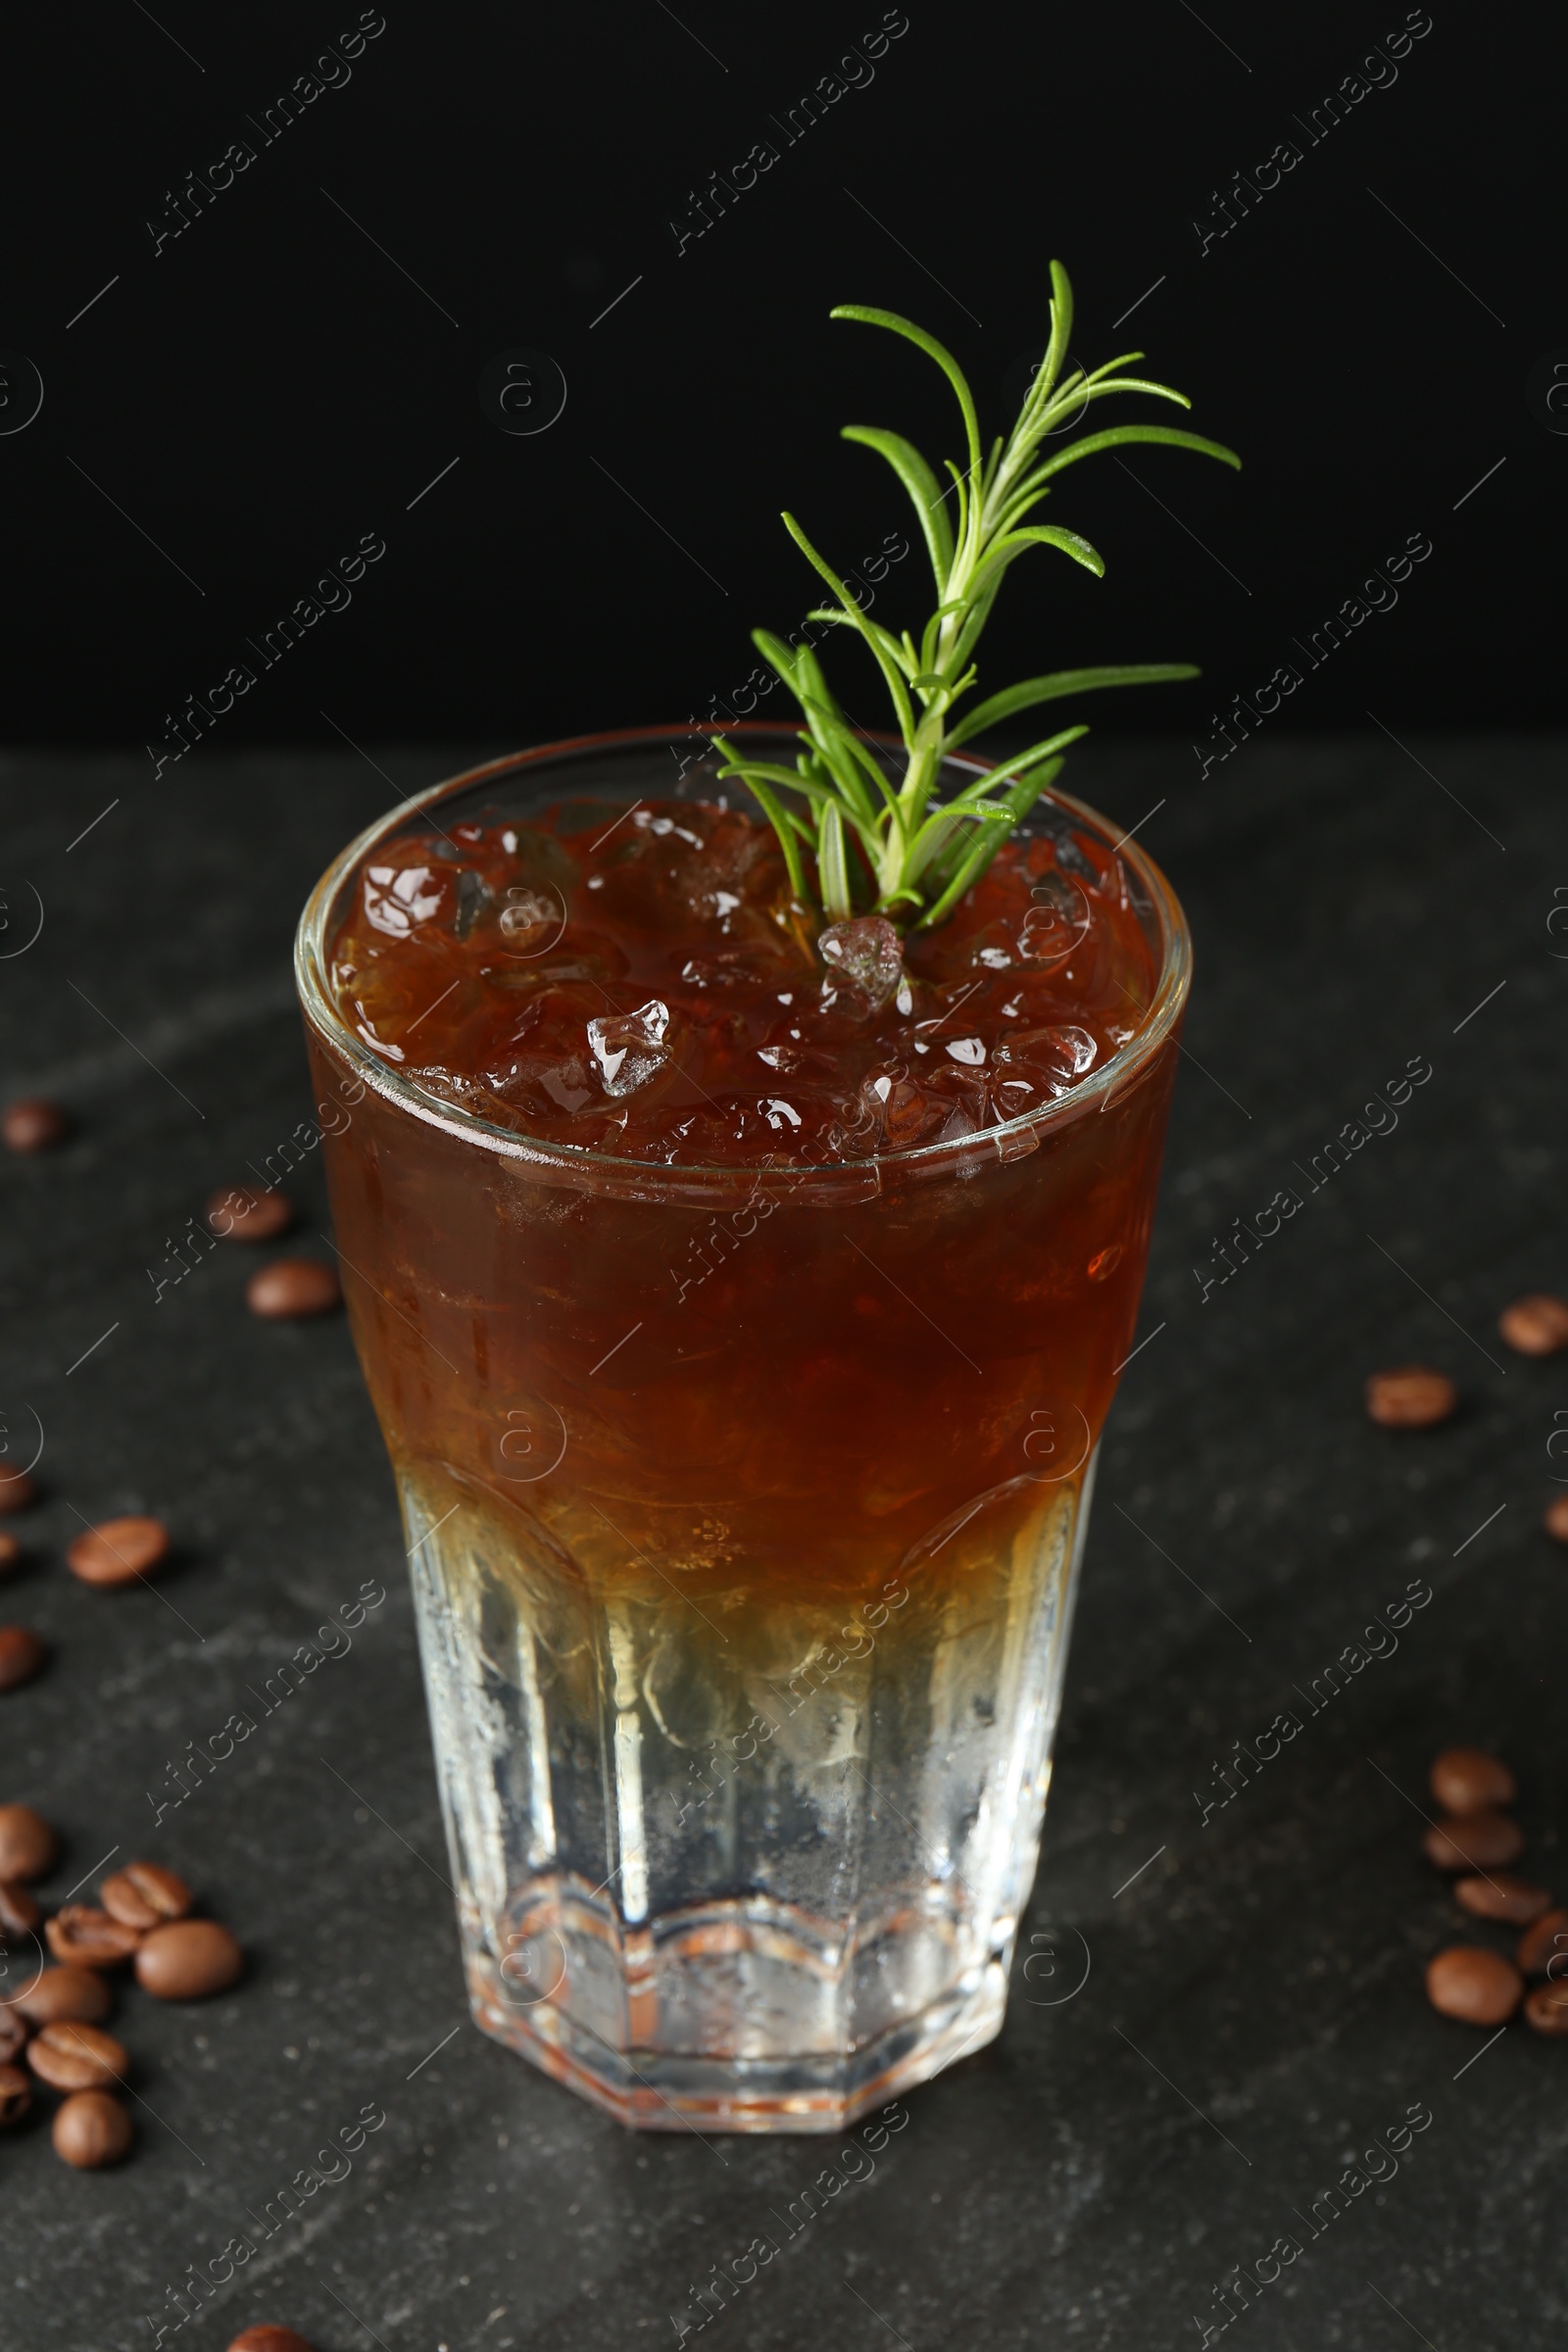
[[270, 386]]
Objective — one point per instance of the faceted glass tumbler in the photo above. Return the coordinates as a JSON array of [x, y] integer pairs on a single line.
[[745, 1508]]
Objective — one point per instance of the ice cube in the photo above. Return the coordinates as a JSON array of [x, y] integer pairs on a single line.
[[397, 898], [629, 1047], [864, 961], [1055, 1057], [1055, 922]]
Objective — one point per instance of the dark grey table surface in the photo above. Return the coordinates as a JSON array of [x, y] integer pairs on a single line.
[[1252, 2015]]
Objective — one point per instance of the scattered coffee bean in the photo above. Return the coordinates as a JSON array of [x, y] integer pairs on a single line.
[[1546, 2009], [1474, 1842], [187, 1960], [269, 2338], [16, 2094], [118, 1551], [85, 1938], [10, 1553], [26, 1842], [1544, 1943], [1537, 1325], [291, 1287], [72, 2057], [12, 2035], [18, 1490], [92, 2129], [77, 1994], [33, 1124], [1556, 1518], [1412, 1396], [143, 1895], [1479, 1987], [1501, 1896], [22, 1656], [18, 1910], [1466, 1780], [243, 1214]]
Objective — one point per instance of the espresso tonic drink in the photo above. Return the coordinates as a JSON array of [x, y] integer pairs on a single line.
[[742, 1301]]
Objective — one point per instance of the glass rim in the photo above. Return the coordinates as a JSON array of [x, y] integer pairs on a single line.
[[820, 1180]]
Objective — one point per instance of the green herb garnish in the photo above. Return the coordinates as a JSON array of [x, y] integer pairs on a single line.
[[916, 855]]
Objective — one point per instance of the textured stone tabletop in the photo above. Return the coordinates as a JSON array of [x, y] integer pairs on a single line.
[[1252, 2018]]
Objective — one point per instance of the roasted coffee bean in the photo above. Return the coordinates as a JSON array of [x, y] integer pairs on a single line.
[[22, 1656], [13, 2034], [1466, 1780], [1556, 1518], [118, 1552], [16, 2094], [18, 1490], [1479, 1987], [86, 1937], [92, 2129], [243, 1214], [291, 1287], [269, 2338], [1412, 1396], [18, 1910], [1543, 1947], [1472, 1841], [1546, 2009], [33, 1124], [77, 1993], [72, 2057], [1537, 1325], [1501, 1896], [143, 1895], [10, 1553], [27, 1843], [187, 1960]]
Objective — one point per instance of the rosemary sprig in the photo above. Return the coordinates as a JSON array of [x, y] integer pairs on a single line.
[[891, 847]]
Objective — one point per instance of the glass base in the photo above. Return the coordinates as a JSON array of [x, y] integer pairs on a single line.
[[709, 1999]]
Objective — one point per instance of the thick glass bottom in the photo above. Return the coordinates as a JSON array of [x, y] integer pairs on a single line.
[[718, 1995]]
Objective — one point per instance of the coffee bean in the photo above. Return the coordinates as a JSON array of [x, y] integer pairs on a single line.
[[1466, 1780], [118, 1551], [1501, 1896], [85, 1938], [18, 1490], [1546, 2009], [291, 1287], [13, 2034], [72, 1993], [1410, 1397], [1474, 1842], [72, 2057], [92, 2129], [32, 1124], [16, 2094], [1556, 1518], [1479, 1987], [22, 1656], [1537, 1325], [1544, 1942], [269, 2339], [27, 1843], [10, 1553], [143, 1895], [243, 1214], [18, 1910], [187, 1960]]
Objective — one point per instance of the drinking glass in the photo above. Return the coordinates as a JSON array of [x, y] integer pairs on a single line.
[[745, 1508]]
